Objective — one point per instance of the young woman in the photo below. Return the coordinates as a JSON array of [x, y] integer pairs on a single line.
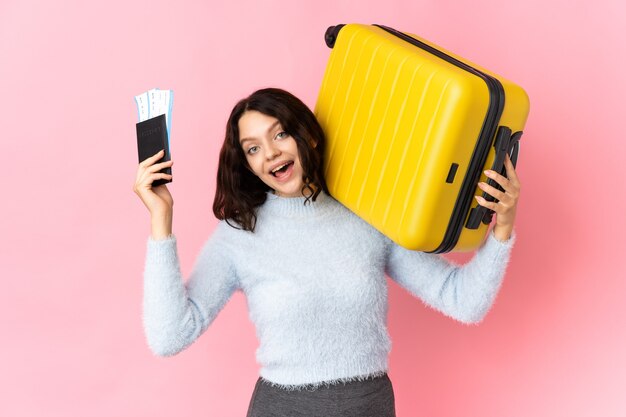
[[313, 273]]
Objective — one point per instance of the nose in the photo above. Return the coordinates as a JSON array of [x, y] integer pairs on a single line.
[[271, 151]]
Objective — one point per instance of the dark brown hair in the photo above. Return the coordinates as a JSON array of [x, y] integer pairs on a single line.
[[239, 191]]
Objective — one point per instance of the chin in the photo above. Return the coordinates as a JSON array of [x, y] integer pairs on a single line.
[[289, 191]]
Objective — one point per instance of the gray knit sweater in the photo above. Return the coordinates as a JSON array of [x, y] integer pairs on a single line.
[[314, 281]]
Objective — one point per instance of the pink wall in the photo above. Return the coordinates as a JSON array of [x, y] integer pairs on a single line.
[[74, 232]]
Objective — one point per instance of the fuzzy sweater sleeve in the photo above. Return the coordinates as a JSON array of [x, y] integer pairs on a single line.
[[175, 314], [463, 292]]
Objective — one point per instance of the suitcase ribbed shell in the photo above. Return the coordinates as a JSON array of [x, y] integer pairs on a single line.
[[396, 118]]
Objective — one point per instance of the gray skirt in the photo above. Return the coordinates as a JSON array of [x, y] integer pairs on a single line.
[[366, 398]]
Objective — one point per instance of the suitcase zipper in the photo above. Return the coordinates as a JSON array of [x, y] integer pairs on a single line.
[[481, 151]]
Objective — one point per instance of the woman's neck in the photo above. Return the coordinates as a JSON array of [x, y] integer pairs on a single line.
[[305, 193]]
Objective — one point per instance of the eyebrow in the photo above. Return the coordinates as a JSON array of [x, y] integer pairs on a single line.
[[272, 127]]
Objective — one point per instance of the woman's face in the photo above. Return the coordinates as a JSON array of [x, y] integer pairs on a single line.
[[272, 154]]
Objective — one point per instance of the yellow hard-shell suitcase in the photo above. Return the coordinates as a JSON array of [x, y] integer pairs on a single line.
[[410, 128]]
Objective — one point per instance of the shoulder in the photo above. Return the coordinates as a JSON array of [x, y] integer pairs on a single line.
[[227, 234], [359, 227], [229, 229]]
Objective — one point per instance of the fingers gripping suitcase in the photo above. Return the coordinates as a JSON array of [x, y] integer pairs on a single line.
[[410, 129]]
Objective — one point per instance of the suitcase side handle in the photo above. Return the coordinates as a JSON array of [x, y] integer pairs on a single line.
[[505, 143]]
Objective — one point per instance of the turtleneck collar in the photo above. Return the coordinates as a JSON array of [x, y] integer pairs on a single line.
[[295, 207]]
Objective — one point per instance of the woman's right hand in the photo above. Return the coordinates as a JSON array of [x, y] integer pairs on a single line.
[[157, 199]]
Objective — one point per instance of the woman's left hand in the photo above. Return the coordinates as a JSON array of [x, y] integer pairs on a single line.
[[506, 206]]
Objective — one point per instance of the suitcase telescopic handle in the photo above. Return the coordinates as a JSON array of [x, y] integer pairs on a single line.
[[505, 143]]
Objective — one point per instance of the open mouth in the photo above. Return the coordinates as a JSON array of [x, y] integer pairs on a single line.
[[282, 170]]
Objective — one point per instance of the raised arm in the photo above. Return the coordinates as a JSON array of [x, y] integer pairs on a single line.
[[175, 314], [463, 292]]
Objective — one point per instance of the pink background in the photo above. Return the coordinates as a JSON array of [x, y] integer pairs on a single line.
[[74, 232]]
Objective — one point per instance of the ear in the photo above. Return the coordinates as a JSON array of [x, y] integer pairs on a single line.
[[313, 143]]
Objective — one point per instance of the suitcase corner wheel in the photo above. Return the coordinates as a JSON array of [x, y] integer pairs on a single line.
[[331, 35]]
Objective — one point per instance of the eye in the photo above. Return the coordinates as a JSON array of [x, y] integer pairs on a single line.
[[285, 134], [252, 150]]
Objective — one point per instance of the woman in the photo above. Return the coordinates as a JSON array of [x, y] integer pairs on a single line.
[[313, 273]]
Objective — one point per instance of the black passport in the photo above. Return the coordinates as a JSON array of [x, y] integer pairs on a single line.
[[151, 138]]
